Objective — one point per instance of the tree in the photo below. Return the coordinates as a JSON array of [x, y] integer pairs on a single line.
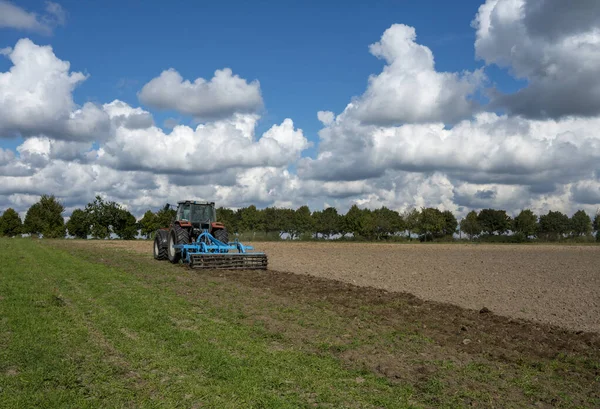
[[597, 225], [411, 221], [100, 215], [387, 222], [45, 217], [302, 222], [494, 221], [123, 224], [148, 224], [165, 216], [360, 222], [10, 223], [526, 223], [228, 218], [276, 219], [431, 223], [272, 220], [450, 224], [79, 224], [554, 225], [287, 221], [316, 217], [108, 218], [581, 224], [470, 224], [250, 219], [328, 224]]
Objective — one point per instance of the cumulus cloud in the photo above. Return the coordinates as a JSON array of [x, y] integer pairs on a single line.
[[116, 150], [326, 117], [489, 148], [208, 148], [13, 16], [123, 115], [487, 160], [410, 89], [37, 98], [220, 97], [37, 152], [6, 156], [554, 46], [586, 191]]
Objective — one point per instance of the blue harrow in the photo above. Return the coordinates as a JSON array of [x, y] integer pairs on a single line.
[[208, 252]]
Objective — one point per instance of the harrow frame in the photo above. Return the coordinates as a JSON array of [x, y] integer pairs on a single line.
[[210, 253]]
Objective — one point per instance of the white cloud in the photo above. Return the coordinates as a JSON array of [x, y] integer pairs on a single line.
[[171, 123], [39, 151], [554, 46], [490, 148], [220, 97], [117, 151], [12, 16], [489, 160], [586, 191], [123, 115], [326, 117], [37, 98], [55, 14], [410, 89], [6, 156], [209, 148]]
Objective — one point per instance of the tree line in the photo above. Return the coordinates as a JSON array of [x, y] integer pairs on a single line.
[[99, 219], [102, 219]]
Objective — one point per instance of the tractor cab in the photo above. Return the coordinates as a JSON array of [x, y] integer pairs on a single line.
[[200, 214]]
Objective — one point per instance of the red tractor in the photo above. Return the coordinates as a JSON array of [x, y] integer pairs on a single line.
[[192, 218], [196, 238]]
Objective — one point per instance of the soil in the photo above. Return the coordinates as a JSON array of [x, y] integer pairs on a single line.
[[553, 284]]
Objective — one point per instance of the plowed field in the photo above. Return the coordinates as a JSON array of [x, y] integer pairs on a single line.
[[558, 285]]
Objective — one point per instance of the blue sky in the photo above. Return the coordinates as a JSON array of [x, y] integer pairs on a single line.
[[456, 105], [308, 55]]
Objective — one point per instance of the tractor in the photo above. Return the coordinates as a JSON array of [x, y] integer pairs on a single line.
[[197, 239]]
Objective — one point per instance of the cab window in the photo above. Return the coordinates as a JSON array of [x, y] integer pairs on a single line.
[[184, 212]]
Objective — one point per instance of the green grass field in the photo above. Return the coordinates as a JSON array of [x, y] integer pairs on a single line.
[[89, 326]]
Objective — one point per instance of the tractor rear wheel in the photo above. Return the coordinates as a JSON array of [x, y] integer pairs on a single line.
[[221, 235], [177, 235], [160, 245]]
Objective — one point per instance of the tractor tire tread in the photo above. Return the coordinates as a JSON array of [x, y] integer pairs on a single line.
[[222, 235], [182, 236], [160, 244]]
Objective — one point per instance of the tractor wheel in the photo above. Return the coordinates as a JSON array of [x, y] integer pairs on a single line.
[[160, 245], [221, 235], [177, 235]]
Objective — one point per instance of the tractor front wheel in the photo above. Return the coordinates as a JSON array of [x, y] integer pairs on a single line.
[[177, 235]]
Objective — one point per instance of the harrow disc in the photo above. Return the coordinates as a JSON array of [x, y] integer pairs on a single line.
[[225, 261]]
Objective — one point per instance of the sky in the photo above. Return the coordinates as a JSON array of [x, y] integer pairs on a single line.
[[455, 105]]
